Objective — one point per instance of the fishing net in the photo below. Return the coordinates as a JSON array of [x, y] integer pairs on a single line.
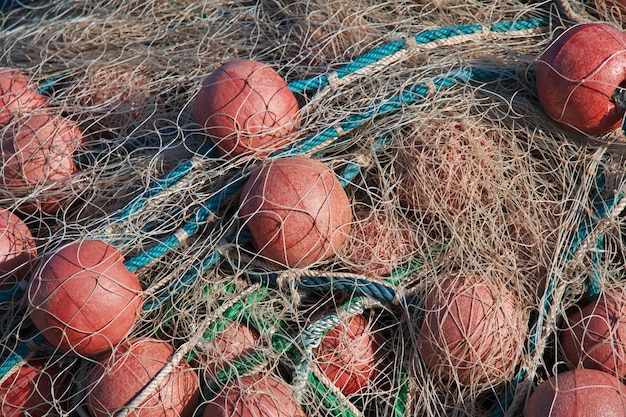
[[463, 191]]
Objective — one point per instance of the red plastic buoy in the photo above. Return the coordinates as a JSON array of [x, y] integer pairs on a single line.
[[472, 331], [123, 373], [17, 249], [348, 354], [578, 393], [18, 95], [84, 299], [38, 160], [35, 390], [257, 395], [246, 107], [578, 74], [296, 210], [595, 336], [235, 341]]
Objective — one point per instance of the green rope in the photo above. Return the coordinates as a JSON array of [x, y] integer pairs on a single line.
[[331, 402]]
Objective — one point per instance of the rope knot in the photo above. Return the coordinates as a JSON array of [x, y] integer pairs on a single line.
[[288, 280]]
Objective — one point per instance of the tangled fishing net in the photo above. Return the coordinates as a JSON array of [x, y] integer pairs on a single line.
[[477, 221]]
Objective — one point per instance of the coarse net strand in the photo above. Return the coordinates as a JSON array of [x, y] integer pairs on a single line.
[[451, 165]]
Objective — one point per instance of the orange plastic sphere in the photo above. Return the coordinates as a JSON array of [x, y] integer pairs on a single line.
[[18, 96], [37, 156], [235, 341], [578, 74], [596, 335], [17, 249], [472, 332], [578, 393], [348, 354], [35, 390]]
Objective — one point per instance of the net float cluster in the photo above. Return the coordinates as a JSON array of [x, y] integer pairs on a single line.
[[84, 301]]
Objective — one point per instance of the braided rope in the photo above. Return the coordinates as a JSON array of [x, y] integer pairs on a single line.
[[311, 336], [187, 279], [21, 354], [355, 284], [167, 181], [202, 216], [332, 398], [402, 399], [566, 9], [412, 95], [385, 55]]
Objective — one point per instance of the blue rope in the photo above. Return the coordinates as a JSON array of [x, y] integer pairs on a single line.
[[162, 184], [6, 5], [369, 58], [21, 351], [355, 285], [412, 95], [601, 209], [387, 50], [189, 228], [349, 173], [185, 281], [11, 293]]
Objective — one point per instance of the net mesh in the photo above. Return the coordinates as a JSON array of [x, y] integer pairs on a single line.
[[428, 114]]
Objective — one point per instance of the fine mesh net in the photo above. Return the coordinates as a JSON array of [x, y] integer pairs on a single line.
[[474, 216]]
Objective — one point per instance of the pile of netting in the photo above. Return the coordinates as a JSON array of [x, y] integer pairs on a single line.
[[476, 222]]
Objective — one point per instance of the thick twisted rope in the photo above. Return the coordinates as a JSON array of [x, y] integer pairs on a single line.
[[568, 11], [384, 55]]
